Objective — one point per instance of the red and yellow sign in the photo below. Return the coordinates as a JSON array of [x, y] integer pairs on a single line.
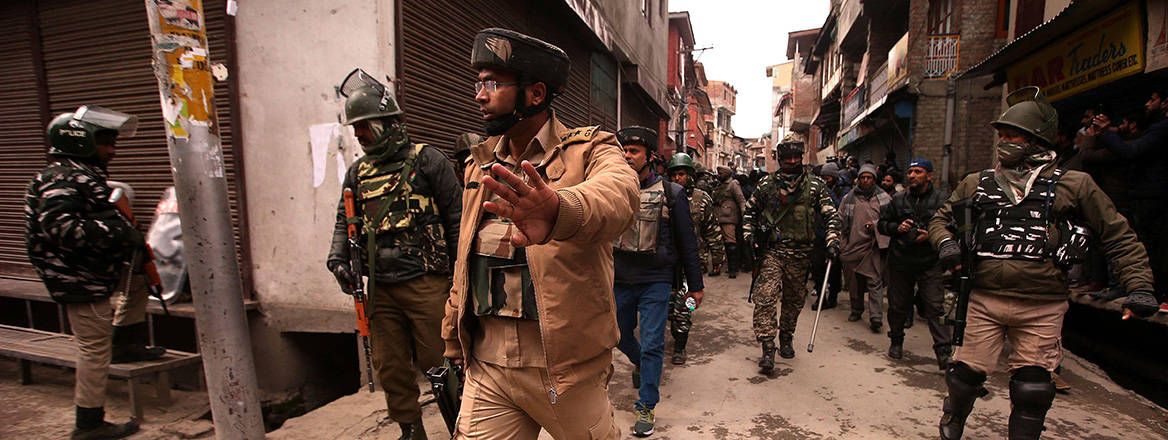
[[1107, 49], [180, 44]]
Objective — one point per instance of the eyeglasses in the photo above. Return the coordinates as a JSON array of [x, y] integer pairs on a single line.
[[490, 85]]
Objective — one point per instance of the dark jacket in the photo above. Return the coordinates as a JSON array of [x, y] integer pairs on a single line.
[[903, 253], [408, 254], [74, 236], [675, 239], [1149, 156]]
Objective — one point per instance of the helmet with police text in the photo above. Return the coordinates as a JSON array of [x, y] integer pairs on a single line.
[[682, 160], [75, 134], [1031, 113], [637, 135], [367, 98], [533, 59]]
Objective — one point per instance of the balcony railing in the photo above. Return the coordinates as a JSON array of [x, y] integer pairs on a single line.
[[941, 55]]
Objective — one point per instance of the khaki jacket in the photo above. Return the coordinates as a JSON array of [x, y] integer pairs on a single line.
[[729, 202], [573, 272], [1077, 197]]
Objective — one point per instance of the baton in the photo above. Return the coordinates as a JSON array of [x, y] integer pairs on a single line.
[[819, 307]]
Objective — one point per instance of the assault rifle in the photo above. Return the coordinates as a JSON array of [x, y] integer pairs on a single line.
[[446, 381], [760, 250], [146, 253], [358, 290], [964, 216]]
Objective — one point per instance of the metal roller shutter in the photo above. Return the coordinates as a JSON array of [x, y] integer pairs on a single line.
[[98, 52], [22, 149], [437, 83]]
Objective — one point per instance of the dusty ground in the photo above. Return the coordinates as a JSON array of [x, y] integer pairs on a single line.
[[847, 389]]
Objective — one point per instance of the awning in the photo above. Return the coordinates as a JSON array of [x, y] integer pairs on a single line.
[[1069, 19]]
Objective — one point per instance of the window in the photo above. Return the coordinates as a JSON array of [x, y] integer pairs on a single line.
[[1029, 16], [1003, 23], [940, 17]]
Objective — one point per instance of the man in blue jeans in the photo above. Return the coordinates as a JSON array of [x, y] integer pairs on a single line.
[[647, 257]]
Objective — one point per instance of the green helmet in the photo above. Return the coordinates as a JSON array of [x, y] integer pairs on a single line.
[[463, 143], [75, 134], [366, 98], [681, 160], [1030, 112]]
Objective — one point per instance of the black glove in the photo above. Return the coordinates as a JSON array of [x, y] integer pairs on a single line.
[[832, 251], [1142, 303], [950, 255], [344, 278]]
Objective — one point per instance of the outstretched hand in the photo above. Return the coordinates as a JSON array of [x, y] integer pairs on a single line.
[[533, 208]]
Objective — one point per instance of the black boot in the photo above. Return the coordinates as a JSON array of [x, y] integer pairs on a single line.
[[767, 363], [964, 389], [679, 340], [91, 425], [1031, 394], [896, 349], [129, 344], [412, 431], [785, 348], [732, 260]]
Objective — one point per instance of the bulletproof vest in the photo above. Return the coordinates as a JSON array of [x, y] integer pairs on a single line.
[[1013, 232], [641, 237], [388, 202], [791, 219]]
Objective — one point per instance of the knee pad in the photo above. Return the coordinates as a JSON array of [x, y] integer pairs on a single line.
[[1031, 389], [963, 373]]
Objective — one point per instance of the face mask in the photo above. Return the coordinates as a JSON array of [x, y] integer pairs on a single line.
[[388, 140], [1014, 154]]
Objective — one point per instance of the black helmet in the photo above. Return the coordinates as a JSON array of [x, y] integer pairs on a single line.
[[534, 59], [637, 135], [788, 148], [75, 134]]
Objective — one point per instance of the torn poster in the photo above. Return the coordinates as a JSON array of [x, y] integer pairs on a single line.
[[320, 136]]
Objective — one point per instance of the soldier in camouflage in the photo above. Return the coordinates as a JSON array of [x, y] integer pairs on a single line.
[[780, 225], [710, 248], [409, 204], [81, 247]]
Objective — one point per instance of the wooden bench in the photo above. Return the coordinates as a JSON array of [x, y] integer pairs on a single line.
[[30, 345]]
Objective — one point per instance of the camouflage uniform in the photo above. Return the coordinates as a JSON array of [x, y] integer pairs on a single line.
[[712, 251], [772, 219], [74, 235]]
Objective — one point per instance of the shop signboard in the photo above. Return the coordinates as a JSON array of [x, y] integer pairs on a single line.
[[1157, 35], [1109, 48], [898, 61]]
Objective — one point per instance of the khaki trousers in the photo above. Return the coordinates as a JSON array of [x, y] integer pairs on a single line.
[[514, 403], [93, 327], [1033, 328], [405, 325]]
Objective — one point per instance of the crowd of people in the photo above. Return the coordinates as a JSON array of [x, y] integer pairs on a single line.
[[544, 247]]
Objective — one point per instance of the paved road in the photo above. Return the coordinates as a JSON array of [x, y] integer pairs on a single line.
[[847, 389]]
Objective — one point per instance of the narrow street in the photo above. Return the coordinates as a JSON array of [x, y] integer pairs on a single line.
[[847, 389]]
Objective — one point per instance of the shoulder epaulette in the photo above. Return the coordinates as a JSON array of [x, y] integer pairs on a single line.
[[581, 134]]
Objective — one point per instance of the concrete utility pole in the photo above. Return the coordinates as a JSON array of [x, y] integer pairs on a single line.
[[181, 63]]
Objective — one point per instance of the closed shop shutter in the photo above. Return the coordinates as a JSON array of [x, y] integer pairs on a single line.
[[22, 145], [99, 52], [437, 83]]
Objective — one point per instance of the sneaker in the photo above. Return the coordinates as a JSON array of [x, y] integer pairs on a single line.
[[636, 377], [644, 425]]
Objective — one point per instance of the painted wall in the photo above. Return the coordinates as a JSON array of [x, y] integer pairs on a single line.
[[634, 37], [292, 56]]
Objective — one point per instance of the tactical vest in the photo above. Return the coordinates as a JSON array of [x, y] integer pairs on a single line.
[[500, 279], [641, 237], [1013, 232], [791, 219], [388, 202]]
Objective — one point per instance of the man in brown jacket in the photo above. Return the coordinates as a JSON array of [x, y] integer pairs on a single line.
[[729, 205], [531, 314], [1018, 292]]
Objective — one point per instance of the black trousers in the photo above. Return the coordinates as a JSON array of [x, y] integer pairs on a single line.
[[903, 287]]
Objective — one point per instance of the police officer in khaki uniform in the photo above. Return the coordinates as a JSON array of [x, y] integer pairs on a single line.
[[1018, 293], [530, 314], [409, 207]]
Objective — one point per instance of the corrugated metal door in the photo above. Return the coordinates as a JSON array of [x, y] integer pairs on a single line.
[[99, 52], [436, 80], [22, 149]]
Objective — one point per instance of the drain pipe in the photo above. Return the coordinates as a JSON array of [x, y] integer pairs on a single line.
[[950, 107]]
